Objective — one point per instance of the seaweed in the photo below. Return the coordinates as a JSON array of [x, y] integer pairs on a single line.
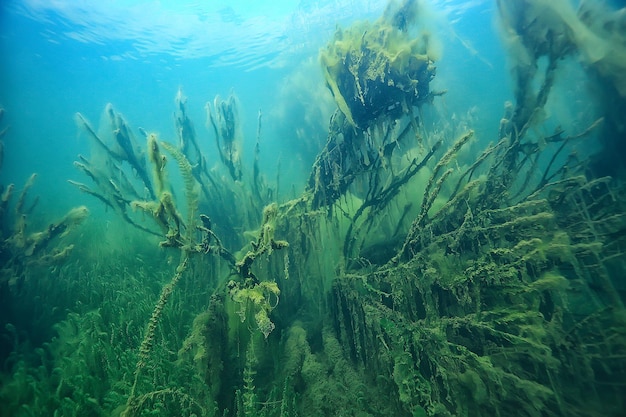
[[378, 69], [414, 275], [22, 250], [224, 120]]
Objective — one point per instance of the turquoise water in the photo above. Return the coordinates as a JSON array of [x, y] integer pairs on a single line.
[[352, 248], [63, 59]]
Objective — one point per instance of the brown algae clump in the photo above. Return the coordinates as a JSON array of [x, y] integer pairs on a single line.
[[380, 68]]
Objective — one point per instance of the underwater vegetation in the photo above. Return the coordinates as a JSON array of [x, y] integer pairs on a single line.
[[375, 69], [404, 280]]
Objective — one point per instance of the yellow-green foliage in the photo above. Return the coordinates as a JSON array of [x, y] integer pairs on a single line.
[[258, 300], [502, 302], [165, 215], [379, 68], [164, 209], [190, 183]]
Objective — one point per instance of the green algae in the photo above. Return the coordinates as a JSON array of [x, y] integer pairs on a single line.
[[500, 296]]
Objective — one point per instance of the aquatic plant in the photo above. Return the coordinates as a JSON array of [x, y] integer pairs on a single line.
[[224, 120], [459, 311], [23, 250], [379, 69], [498, 291]]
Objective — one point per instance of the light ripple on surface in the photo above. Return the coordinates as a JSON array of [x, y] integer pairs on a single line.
[[193, 30]]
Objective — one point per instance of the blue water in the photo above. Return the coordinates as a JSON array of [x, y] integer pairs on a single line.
[[62, 58]]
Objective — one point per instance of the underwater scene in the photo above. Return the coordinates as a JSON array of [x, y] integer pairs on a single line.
[[313, 208]]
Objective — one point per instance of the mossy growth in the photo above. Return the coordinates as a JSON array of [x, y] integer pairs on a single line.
[[378, 69], [258, 300]]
